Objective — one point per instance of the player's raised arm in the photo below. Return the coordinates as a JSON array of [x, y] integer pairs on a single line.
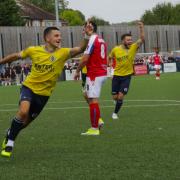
[[80, 49], [141, 31], [10, 58]]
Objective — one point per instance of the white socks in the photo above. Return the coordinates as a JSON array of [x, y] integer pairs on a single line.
[[10, 143]]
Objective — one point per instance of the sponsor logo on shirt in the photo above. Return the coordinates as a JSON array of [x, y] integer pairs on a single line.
[[52, 58]]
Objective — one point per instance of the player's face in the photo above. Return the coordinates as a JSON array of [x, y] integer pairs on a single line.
[[88, 29], [127, 41], [54, 38]]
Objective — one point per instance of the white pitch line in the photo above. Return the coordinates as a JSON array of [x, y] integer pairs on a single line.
[[82, 107], [133, 100]]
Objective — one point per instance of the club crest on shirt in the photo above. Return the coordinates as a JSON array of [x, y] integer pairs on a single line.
[[52, 58]]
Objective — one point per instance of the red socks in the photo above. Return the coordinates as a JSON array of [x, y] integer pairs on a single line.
[[157, 74], [94, 114]]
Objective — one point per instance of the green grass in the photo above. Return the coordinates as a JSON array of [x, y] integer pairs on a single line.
[[142, 145]]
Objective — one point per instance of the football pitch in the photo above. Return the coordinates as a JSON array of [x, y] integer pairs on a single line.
[[143, 144]]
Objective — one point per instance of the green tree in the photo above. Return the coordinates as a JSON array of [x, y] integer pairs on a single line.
[[99, 21], [162, 14], [73, 17], [49, 5], [176, 15], [149, 18], [63, 4], [9, 14]]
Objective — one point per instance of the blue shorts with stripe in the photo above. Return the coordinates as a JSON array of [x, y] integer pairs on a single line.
[[37, 102], [120, 84]]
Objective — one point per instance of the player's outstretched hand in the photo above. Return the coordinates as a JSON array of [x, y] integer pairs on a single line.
[[76, 76]]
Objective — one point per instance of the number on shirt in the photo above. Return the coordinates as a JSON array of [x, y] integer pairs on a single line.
[[102, 51]]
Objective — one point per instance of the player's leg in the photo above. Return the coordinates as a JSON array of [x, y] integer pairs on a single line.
[[119, 103], [37, 106], [93, 93], [122, 88], [115, 91], [18, 122], [84, 87], [30, 107], [100, 122], [157, 73]]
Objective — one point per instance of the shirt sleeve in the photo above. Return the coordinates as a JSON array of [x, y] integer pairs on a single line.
[[135, 46], [66, 54], [25, 53], [138, 42], [90, 45]]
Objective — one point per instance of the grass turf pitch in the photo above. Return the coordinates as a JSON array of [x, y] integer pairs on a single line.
[[142, 144]]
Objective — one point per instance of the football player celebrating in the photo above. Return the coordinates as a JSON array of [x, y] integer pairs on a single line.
[[47, 64], [124, 56]]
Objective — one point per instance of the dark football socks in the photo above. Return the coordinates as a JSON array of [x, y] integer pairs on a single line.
[[15, 128], [118, 106]]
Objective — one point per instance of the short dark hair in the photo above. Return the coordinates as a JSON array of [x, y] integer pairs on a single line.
[[124, 35], [93, 24], [48, 30]]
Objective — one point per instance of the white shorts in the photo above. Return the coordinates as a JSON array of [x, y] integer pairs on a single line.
[[93, 88], [157, 66]]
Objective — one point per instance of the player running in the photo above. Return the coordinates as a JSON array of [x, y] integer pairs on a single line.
[[157, 60], [124, 55], [95, 59], [47, 64]]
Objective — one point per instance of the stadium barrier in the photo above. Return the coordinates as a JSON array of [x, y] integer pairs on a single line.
[[178, 66], [151, 69], [138, 70], [166, 37], [170, 67]]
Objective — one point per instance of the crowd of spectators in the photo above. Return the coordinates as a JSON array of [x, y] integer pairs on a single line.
[[147, 58], [13, 74], [69, 65]]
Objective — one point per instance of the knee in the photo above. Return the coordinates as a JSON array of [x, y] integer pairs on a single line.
[[115, 97], [120, 96], [23, 115]]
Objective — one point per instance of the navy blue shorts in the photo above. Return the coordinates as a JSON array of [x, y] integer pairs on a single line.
[[120, 84], [37, 101]]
